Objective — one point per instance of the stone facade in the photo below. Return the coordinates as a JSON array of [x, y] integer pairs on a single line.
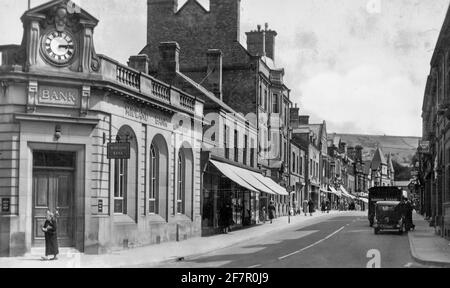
[[57, 120], [434, 159]]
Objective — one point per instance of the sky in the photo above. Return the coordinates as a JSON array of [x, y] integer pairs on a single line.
[[360, 65]]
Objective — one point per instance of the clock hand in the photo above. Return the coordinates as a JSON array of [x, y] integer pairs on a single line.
[[65, 46]]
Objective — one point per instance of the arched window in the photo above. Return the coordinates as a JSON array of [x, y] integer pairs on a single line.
[[184, 192], [181, 184], [120, 187], [158, 177], [154, 187], [125, 176]]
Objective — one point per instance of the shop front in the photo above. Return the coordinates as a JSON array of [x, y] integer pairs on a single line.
[[247, 191], [222, 188]]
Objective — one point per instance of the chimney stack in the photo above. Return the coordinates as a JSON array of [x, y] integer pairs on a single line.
[[256, 42], [270, 42], [169, 64], [214, 72], [295, 120], [359, 153], [139, 62], [304, 120]]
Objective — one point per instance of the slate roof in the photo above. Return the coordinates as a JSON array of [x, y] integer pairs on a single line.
[[378, 159]]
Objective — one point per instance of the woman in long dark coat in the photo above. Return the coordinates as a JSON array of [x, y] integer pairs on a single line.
[[311, 207], [51, 238], [271, 211], [223, 222]]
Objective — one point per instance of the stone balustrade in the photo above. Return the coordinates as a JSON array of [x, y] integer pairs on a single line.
[[148, 86]]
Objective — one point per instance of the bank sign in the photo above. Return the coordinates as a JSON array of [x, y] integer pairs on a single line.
[[119, 150], [58, 96]]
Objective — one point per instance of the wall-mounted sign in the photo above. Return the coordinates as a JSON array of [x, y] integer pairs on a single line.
[[100, 206], [58, 96], [150, 116], [424, 147], [6, 205], [119, 150]]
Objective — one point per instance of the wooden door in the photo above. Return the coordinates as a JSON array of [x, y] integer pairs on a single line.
[[53, 190]]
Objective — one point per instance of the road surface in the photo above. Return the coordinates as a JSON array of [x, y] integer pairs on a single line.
[[339, 242]]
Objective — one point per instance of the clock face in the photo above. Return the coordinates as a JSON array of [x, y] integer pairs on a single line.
[[58, 47]]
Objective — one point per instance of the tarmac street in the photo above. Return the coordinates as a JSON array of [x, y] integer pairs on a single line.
[[339, 242], [335, 240]]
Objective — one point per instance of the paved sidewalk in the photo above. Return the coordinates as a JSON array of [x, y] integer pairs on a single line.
[[168, 252], [427, 247]]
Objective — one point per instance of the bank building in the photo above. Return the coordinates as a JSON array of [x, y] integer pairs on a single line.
[[107, 146]]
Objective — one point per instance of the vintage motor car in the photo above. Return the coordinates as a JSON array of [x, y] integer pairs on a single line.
[[388, 216]]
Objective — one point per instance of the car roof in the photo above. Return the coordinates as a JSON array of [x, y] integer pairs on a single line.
[[390, 203]]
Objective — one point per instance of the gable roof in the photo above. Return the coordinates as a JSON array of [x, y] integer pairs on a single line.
[[389, 162], [378, 159], [195, 4]]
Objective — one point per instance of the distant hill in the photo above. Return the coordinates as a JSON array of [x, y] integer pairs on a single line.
[[401, 148]]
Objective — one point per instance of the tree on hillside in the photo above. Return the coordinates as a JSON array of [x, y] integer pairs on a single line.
[[402, 173]]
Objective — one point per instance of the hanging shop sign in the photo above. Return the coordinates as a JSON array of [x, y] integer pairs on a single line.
[[119, 150]]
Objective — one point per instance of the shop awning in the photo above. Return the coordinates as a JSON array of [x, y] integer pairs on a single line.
[[325, 191], [228, 170], [251, 178], [364, 200], [346, 194], [272, 185], [335, 192]]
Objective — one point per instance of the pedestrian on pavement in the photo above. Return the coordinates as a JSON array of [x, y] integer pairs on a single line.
[[305, 207], [323, 206], [328, 206], [271, 211], [229, 217], [409, 215], [51, 237], [223, 219], [311, 207], [263, 213]]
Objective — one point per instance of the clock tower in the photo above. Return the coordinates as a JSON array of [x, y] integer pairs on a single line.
[[58, 37]]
